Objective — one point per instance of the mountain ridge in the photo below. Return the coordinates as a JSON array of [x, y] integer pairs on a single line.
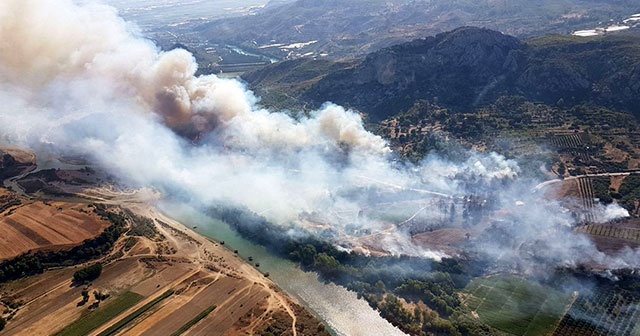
[[469, 67]]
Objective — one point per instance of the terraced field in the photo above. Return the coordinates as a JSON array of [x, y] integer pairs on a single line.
[[616, 236], [576, 144]]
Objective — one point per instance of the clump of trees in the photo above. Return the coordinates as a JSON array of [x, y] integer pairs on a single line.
[[142, 227], [88, 273], [601, 189], [417, 322], [629, 192], [381, 281]]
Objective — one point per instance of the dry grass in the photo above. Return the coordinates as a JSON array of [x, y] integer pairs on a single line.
[[445, 240]]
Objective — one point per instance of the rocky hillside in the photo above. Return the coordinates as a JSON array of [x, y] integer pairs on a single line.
[[14, 162], [463, 69]]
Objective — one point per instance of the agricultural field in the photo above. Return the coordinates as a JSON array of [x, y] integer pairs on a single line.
[[516, 306], [577, 144], [448, 240], [36, 225], [614, 237], [586, 195], [96, 318], [604, 312], [159, 279], [568, 142]]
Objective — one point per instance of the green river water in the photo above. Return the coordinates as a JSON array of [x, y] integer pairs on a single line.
[[340, 309]]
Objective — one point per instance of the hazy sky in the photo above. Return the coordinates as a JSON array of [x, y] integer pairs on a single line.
[[152, 13]]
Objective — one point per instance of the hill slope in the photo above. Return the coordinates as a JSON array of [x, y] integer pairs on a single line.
[[466, 68]]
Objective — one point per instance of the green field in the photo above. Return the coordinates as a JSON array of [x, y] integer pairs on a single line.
[[102, 315], [120, 324], [515, 305], [194, 321]]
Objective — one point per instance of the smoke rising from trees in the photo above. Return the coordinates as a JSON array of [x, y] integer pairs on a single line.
[[77, 79]]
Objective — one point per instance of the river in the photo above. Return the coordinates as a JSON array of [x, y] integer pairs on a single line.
[[248, 53], [340, 309]]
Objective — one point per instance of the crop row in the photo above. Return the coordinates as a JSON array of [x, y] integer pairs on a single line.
[[603, 313], [614, 232], [586, 195], [567, 141]]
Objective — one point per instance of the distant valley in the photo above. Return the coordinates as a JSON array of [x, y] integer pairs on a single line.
[[285, 29], [341, 29]]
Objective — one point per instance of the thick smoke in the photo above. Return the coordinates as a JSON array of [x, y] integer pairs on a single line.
[[610, 213], [77, 79]]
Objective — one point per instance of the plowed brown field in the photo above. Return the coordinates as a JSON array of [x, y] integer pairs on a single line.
[[47, 226]]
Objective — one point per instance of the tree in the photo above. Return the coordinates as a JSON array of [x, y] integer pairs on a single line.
[[326, 264], [85, 295], [99, 295], [307, 254], [452, 212], [562, 169], [380, 287], [417, 315]]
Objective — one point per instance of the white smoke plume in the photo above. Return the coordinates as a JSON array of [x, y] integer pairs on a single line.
[[610, 212], [77, 79]]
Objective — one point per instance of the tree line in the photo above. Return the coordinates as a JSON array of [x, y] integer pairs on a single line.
[[382, 281]]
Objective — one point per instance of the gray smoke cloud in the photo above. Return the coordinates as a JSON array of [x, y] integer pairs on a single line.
[[77, 79]]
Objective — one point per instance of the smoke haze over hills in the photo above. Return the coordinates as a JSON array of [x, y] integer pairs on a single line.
[[77, 79]]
